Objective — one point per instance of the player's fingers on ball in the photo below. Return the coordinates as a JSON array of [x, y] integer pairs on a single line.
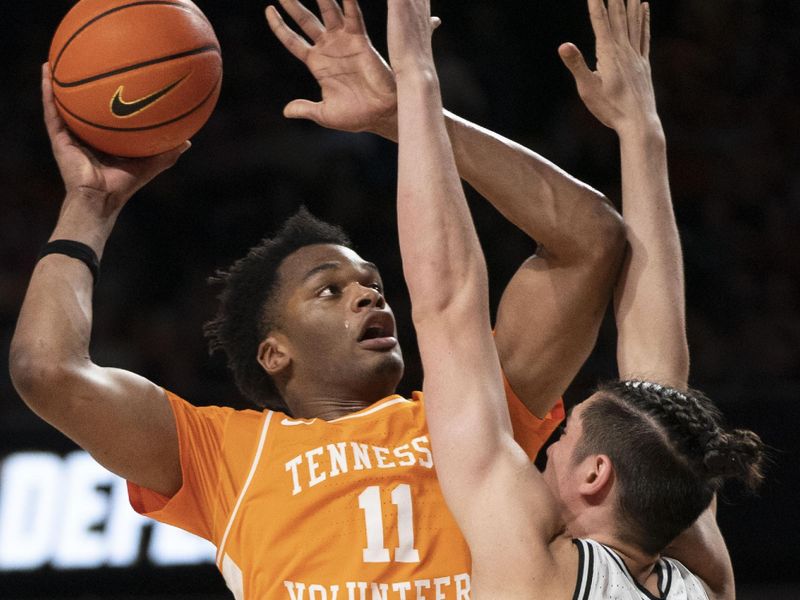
[[51, 118], [304, 18], [165, 160], [291, 40], [331, 13]]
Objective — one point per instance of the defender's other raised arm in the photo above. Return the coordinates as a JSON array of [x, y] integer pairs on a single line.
[[650, 296], [488, 481]]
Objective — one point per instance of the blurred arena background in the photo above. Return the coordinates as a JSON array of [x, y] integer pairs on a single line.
[[728, 86]]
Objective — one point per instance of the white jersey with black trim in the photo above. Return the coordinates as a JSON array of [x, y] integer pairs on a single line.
[[602, 575]]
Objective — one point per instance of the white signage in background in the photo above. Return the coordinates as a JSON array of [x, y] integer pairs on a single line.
[[71, 513]]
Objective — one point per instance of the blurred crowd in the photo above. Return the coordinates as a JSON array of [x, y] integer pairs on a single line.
[[728, 88]]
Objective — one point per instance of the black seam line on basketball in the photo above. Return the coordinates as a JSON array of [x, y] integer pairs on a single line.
[[145, 128], [140, 65], [112, 11], [120, 108]]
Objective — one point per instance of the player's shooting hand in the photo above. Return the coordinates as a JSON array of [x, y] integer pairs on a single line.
[[409, 32], [358, 88], [620, 91], [110, 179]]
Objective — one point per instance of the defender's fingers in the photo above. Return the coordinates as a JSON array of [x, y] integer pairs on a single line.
[[574, 61], [331, 13], [618, 19], [635, 23], [303, 109], [305, 19], [353, 17], [290, 39], [600, 25], [646, 30]]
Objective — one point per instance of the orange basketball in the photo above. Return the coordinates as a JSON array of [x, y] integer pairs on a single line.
[[135, 78]]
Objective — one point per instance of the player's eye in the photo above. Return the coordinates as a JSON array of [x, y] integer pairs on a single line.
[[377, 287], [329, 290]]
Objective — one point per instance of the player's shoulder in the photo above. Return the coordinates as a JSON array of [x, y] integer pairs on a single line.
[[222, 414]]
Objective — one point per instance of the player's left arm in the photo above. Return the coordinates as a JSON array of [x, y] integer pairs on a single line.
[[542, 344]]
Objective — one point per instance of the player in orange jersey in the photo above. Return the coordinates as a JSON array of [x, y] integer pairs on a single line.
[[632, 480], [330, 490]]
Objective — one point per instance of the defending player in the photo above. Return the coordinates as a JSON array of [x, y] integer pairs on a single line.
[[639, 461], [330, 490]]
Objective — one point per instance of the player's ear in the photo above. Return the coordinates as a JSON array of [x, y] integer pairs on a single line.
[[597, 476], [274, 355]]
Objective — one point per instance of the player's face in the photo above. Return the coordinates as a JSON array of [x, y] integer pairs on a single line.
[[341, 330]]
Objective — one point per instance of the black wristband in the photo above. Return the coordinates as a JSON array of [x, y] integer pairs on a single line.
[[77, 250]]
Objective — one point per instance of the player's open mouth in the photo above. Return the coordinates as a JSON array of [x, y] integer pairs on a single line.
[[377, 332]]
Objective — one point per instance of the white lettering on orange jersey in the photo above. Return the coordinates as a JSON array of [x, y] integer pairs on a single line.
[[456, 587], [333, 460]]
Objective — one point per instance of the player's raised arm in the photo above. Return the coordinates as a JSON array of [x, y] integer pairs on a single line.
[[122, 419], [650, 298], [488, 482], [580, 235]]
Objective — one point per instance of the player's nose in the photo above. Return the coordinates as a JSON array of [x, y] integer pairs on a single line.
[[366, 297]]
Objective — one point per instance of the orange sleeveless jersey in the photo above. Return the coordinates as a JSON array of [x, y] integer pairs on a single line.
[[348, 509]]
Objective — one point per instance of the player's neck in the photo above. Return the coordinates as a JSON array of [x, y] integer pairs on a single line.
[[306, 402]]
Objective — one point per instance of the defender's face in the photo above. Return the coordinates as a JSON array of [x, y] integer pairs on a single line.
[[560, 473], [341, 331]]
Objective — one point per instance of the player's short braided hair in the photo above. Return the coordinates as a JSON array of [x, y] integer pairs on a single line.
[[247, 309], [671, 452]]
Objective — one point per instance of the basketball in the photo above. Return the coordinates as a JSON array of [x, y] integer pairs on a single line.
[[135, 78]]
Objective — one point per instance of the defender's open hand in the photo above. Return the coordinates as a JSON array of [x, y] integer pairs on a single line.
[[620, 91], [358, 91]]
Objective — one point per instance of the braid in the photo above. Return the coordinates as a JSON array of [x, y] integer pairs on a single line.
[[737, 454], [670, 453], [693, 427]]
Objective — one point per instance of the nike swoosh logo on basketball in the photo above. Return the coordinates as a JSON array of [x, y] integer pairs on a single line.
[[122, 109]]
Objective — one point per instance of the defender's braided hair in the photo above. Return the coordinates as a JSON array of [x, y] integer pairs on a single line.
[[693, 424], [670, 452]]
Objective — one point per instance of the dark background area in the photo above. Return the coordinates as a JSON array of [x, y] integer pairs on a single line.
[[728, 87]]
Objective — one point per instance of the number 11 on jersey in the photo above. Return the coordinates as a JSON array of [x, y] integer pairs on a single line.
[[370, 502]]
